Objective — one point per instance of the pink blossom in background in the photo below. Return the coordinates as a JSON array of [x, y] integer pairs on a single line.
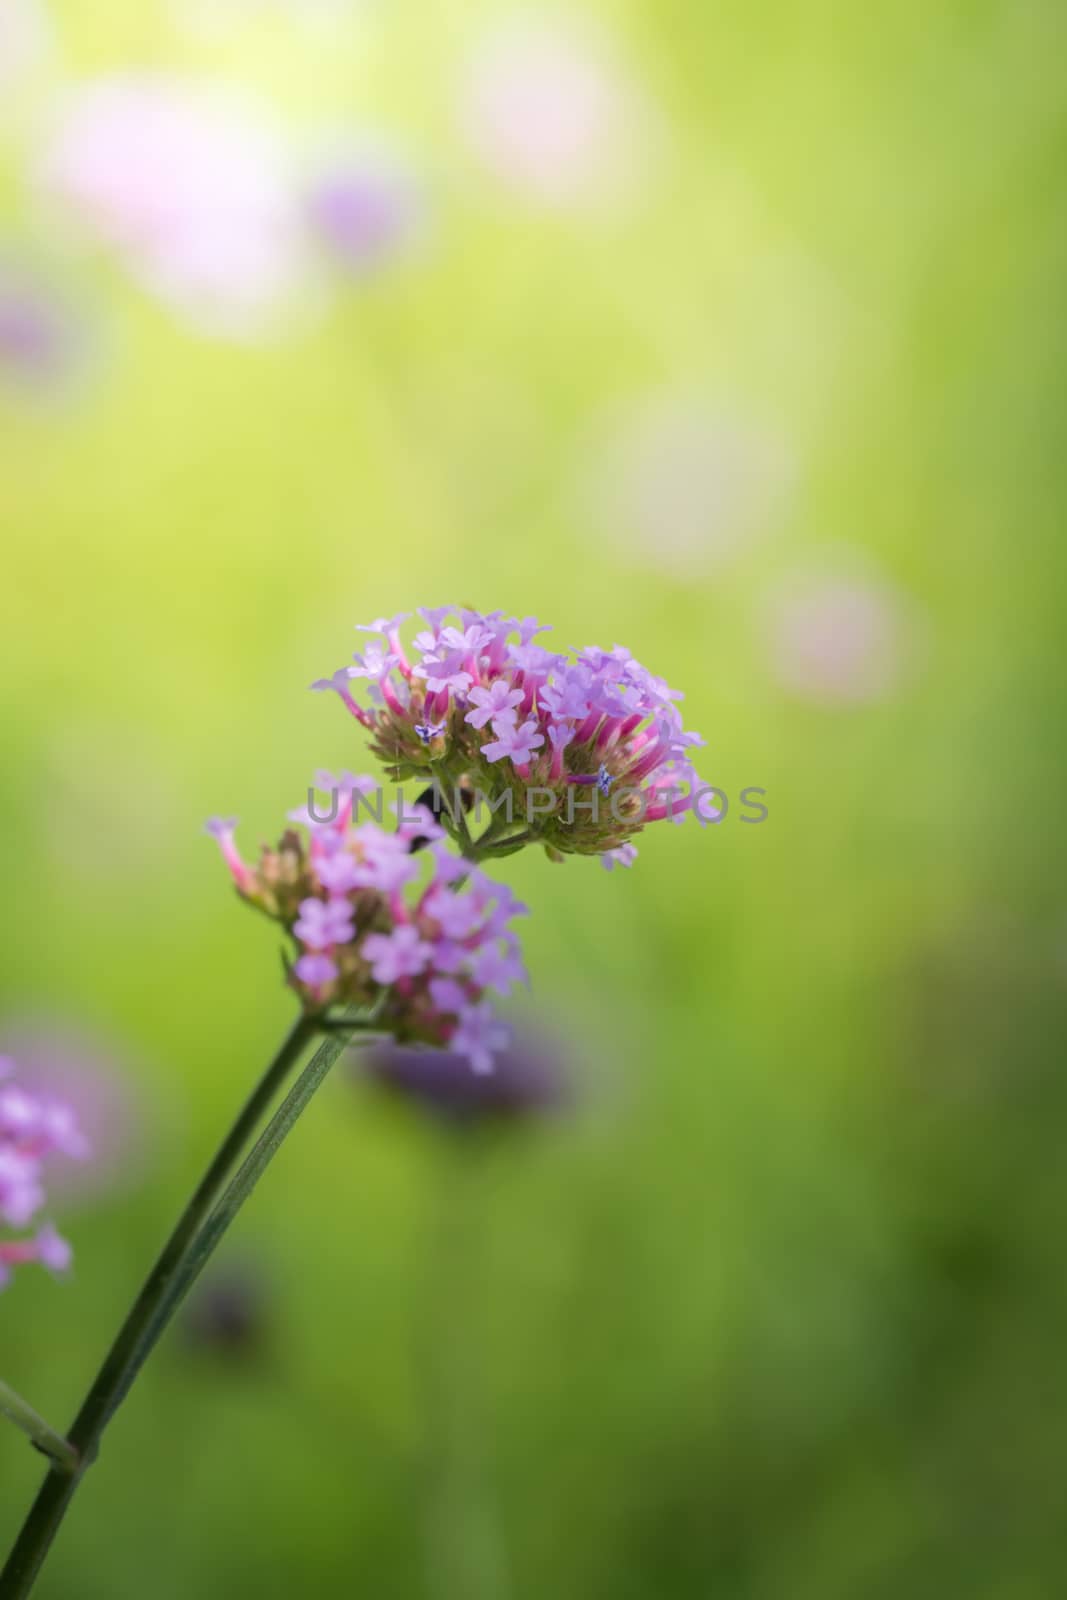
[[547, 110], [364, 209], [684, 484], [34, 1129], [191, 185], [62, 1064], [841, 638]]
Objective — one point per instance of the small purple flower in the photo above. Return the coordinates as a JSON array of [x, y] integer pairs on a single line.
[[21, 1191], [468, 640], [500, 970], [498, 701], [479, 1035], [384, 625], [388, 870], [448, 995], [624, 856], [449, 956], [53, 1251], [499, 900], [400, 954], [448, 867], [435, 615], [518, 743], [429, 731], [529, 628], [338, 873], [323, 923], [317, 971], [457, 915], [374, 663], [445, 672], [338, 682], [568, 697], [531, 659]]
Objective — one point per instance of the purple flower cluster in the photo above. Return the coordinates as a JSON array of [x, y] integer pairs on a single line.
[[32, 1129], [476, 700], [421, 937]]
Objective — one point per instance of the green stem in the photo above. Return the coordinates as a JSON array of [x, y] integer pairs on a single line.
[[22, 1414], [113, 1379], [505, 846], [461, 834], [240, 1188]]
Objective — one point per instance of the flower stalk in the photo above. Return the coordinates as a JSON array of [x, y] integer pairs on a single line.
[[37, 1430], [143, 1322]]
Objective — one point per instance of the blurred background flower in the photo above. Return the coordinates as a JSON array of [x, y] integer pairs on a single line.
[[364, 208], [547, 109], [71, 1065], [41, 341], [189, 183], [842, 637]]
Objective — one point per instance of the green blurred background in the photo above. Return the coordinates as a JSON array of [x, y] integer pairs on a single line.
[[777, 1309]]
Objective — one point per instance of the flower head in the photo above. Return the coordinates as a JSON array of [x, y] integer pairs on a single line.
[[33, 1129], [420, 938], [482, 705]]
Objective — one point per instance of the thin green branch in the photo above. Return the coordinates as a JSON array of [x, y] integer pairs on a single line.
[[240, 1189], [36, 1429], [112, 1381]]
